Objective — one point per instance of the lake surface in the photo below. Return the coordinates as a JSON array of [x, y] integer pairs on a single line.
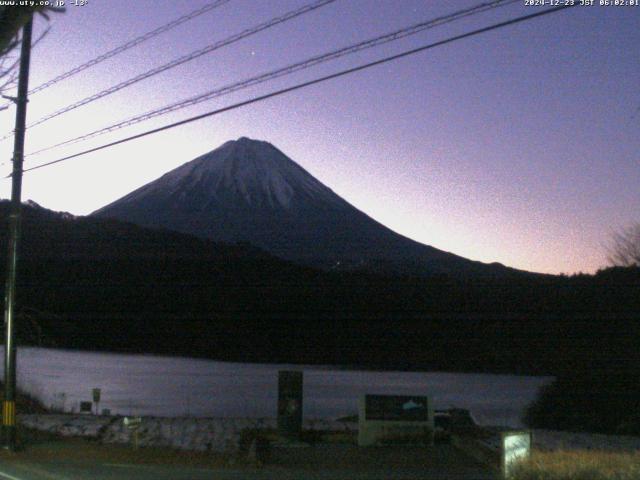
[[169, 386]]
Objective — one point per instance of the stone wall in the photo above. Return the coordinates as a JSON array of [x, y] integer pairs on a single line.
[[223, 434], [212, 434]]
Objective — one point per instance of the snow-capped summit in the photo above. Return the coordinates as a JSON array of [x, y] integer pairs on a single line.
[[249, 191], [255, 172]]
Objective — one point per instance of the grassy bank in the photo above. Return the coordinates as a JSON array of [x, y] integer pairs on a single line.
[[42, 447], [580, 465], [25, 403]]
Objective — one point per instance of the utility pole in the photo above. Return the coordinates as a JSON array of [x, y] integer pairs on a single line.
[[9, 403]]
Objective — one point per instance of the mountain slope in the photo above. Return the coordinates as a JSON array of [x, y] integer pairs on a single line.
[[99, 284], [249, 191]]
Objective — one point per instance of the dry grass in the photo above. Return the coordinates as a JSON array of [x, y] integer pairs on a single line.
[[84, 451], [41, 446], [580, 465], [36, 446]]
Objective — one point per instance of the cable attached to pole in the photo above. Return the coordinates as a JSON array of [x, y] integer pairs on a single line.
[[9, 403], [306, 84], [179, 61], [289, 69], [130, 44]]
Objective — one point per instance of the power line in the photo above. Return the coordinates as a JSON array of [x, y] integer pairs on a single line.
[[131, 44], [184, 59], [302, 65], [306, 84]]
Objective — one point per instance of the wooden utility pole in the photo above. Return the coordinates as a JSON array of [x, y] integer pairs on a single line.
[[9, 403]]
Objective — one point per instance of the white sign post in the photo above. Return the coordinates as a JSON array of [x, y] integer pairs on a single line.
[[515, 447], [133, 424]]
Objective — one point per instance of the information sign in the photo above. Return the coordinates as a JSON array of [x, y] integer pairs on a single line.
[[515, 447]]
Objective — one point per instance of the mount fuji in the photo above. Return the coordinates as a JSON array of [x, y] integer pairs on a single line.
[[249, 191]]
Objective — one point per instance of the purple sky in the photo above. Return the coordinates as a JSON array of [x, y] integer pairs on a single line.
[[519, 146]]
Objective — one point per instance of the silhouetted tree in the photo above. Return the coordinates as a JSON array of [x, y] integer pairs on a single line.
[[624, 250], [604, 401]]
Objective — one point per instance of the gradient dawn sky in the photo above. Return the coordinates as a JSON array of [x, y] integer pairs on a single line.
[[519, 146]]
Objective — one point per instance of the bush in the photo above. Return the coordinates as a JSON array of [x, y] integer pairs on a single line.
[[596, 402]]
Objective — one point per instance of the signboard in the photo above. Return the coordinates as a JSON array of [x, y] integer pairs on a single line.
[[395, 419], [132, 422], [515, 447], [133, 425], [86, 407], [96, 395], [289, 403], [396, 408]]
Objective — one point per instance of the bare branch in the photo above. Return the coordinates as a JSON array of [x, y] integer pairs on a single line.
[[624, 250], [12, 20]]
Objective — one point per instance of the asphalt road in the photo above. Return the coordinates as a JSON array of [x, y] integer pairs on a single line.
[[61, 471], [321, 462], [106, 471], [77, 471]]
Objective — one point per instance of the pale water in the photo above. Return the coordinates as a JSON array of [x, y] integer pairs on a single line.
[[166, 386]]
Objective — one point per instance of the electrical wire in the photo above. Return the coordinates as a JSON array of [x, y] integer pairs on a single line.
[[136, 41], [130, 44], [184, 59], [306, 84], [302, 65]]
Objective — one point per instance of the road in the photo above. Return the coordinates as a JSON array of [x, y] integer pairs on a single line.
[[65, 471], [81, 460], [80, 471], [19, 469]]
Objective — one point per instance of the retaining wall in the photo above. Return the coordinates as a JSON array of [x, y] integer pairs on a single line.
[[212, 434]]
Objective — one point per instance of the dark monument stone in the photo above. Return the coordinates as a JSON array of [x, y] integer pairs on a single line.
[[86, 407], [290, 404]]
